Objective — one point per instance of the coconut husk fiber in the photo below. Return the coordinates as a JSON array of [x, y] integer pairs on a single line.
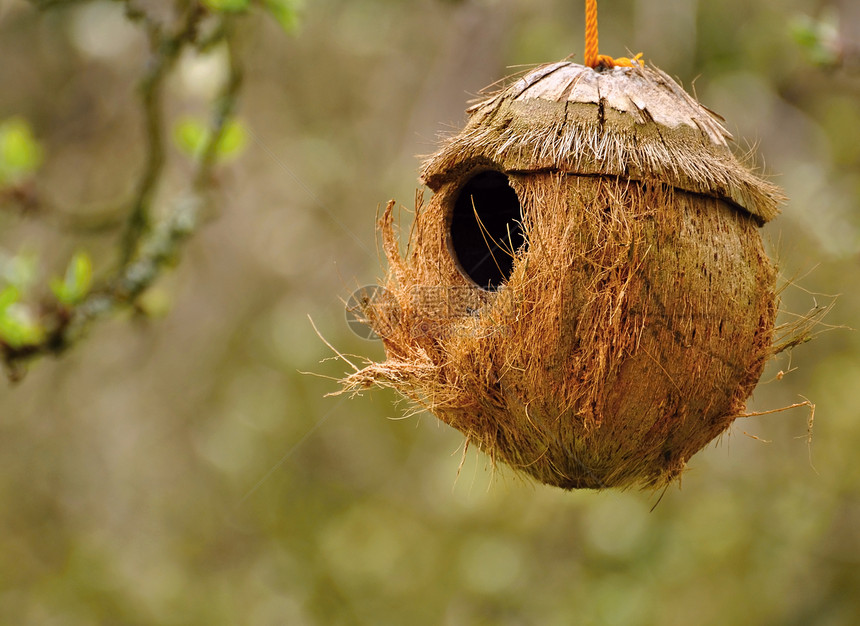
[[639, 309]]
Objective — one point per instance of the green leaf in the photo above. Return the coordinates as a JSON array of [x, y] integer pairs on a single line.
[[286, 12], [192, 136], [76, 284], [154, 302], [18, 328], [804, 31], [819, 38], [20, 153], [227, 6], [233, 139], [9, 296]]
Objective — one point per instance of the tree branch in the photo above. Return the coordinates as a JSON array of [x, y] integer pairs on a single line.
[[165, 50], [146, 247]]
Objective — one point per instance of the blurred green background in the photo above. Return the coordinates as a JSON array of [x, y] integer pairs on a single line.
[[184, 470]]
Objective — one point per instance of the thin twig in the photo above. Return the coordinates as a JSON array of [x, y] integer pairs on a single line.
[[165, 52]]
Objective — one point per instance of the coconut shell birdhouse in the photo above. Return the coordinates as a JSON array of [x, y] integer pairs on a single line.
[[585, 296]]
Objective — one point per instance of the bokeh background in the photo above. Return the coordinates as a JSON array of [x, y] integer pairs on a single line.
[[186, 469]]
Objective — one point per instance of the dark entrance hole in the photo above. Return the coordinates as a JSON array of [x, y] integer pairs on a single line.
[[486, 229]]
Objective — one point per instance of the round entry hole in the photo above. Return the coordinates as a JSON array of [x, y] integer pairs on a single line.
[[486, 229]]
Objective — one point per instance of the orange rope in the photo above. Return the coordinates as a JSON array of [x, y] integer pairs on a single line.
[[592, 57]]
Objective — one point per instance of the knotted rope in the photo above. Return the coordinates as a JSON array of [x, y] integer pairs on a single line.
[[592, 57]]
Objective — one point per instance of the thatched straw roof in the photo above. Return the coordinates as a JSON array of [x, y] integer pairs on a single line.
[[636, 123]]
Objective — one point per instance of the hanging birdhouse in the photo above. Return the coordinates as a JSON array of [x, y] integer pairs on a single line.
[[586, 296]]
